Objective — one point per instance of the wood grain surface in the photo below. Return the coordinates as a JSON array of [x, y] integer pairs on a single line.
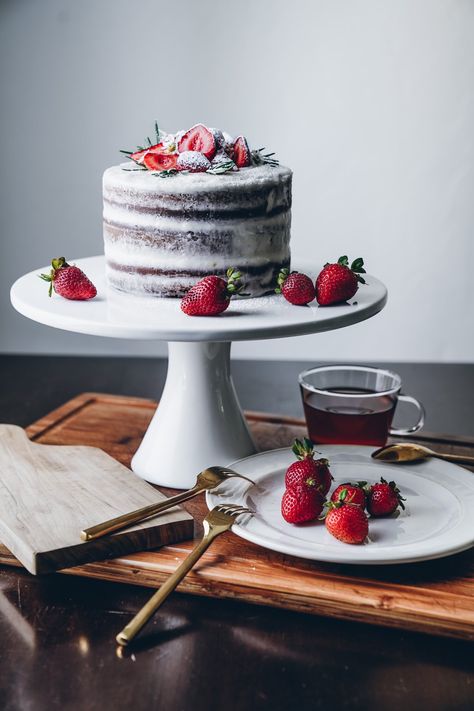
[[434, 596], [48, 494]]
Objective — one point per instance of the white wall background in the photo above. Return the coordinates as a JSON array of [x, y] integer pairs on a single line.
[[371, 102]]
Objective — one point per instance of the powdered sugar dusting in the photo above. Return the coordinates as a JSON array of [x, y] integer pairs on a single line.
[[193, 161]]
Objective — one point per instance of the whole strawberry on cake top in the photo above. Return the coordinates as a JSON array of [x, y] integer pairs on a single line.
[[191, 204]]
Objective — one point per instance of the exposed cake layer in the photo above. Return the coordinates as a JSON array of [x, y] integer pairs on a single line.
[[162, 234]]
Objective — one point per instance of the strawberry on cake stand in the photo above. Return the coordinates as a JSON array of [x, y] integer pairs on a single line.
[[199, 421]]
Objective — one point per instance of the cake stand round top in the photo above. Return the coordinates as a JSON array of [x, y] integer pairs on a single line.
[[119, 315]]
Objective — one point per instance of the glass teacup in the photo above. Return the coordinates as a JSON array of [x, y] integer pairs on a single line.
[[353, 404]]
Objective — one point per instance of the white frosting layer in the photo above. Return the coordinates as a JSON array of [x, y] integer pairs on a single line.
[[195, 222], [145, 182]]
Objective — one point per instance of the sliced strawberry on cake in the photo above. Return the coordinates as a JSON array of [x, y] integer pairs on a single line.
[[199, 138], [242, 156], [160, 161]]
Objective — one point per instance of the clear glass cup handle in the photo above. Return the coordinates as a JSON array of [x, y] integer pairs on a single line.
[[421, 418]]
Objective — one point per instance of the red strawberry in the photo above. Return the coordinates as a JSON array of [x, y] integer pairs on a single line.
[[384, 498], [307, 470], [160, 161], [193, 161], [241, 154], [339, 282], [345, 521], [69, 281], [355, 493], [139, 156], [198, 138], [301, 503], [297, 288], [211, 295]]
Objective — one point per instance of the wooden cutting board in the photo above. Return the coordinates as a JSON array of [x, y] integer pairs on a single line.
[[435, 597], [48, 494]]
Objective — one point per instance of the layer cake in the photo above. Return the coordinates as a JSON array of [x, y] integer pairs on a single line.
[[162, 234]]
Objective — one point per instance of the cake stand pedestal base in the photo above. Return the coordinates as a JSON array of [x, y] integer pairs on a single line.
[[198, 423]]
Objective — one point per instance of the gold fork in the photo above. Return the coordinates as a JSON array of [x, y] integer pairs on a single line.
[[207, 479], [217, 521]]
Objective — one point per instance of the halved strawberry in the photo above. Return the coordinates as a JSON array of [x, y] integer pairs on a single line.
[[139, 156], [160, 161], [242, 156], [198, 138]]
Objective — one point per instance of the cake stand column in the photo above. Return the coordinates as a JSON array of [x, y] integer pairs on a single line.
[[198, 423]]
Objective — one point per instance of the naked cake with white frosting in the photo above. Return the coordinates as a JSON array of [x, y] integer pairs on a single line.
[[194, 204]]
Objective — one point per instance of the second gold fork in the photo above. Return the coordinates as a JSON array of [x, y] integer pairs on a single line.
[[219, 520]]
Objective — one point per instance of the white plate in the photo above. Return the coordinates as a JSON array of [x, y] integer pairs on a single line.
[[437, 521]]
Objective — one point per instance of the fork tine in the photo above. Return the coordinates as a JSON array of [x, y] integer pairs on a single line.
[[232, 509], [231, 474]]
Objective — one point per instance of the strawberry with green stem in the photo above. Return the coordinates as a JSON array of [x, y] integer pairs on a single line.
[[346, 521], [211, 295], [384, 498], [297, 288], [307, 470], [339, 282], [69, 281]]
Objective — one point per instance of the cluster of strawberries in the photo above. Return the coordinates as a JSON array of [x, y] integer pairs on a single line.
[[211, 295], [334, 284], [307, 483], [198, 150]]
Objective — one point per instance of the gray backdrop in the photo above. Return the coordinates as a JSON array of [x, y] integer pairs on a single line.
[[370, 102]]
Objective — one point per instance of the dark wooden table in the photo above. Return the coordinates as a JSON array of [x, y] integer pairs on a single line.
[[57, 632]]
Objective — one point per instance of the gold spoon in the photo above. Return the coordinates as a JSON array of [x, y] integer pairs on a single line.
[[208, 479], [408, 452]]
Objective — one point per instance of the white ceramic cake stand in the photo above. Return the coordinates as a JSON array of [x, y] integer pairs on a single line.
[[199, 422]]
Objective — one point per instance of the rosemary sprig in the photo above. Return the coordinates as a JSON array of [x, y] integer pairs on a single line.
[[166, 173], [223, 167], [140, 169], [260, 158], [143, 148]]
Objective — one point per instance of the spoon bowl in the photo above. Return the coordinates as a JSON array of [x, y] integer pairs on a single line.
[[404, 452]]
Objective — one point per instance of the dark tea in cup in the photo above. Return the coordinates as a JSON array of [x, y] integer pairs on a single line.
[[346, 404]]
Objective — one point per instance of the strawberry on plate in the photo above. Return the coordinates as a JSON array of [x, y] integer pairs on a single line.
[[355, 493], [211, 295], [339, 282], [384, 498], [301, 503], [346, 521], [199, 138], [69, 281], [297, 288], [307, 470]]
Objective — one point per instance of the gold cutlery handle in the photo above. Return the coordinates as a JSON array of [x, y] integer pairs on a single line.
[[460, 458], [142, 617], [128, 519]]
